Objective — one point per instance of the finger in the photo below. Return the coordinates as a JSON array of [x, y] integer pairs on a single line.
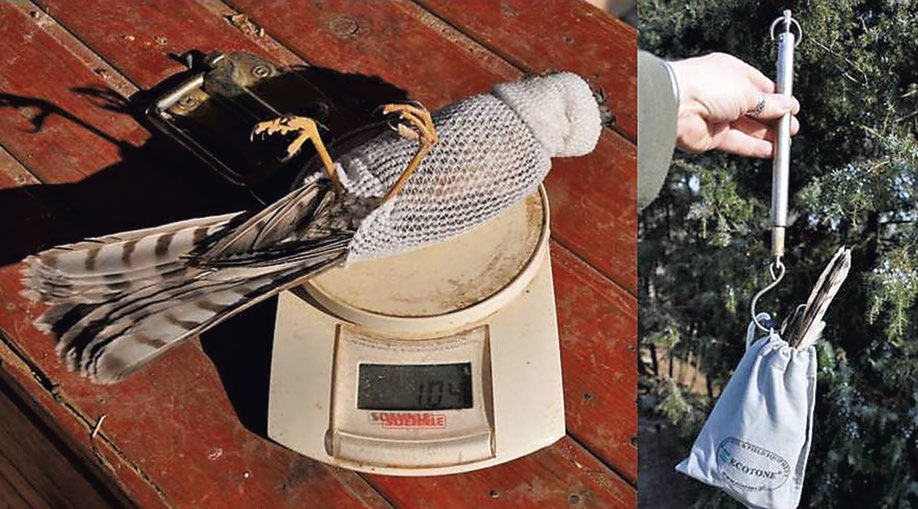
[[761, 82], [771, 106], [794, 126], [761, 130], [754, 128], [740, 143]]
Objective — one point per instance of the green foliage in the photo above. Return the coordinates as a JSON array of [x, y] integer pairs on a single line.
[[679, 406], [854, 179], [894, 285]]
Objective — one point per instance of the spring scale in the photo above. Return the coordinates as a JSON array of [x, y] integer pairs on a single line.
[[805, 324]]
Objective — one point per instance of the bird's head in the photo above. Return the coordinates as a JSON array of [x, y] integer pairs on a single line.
[[559, 108]]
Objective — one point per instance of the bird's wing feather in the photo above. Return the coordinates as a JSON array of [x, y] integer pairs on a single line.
[[810, 326], [274, 223], [295, 252], [282, 224]]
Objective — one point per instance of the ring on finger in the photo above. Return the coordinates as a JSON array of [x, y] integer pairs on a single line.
[[758, 108]]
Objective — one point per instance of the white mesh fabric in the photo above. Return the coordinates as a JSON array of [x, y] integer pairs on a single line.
[[493, 151]]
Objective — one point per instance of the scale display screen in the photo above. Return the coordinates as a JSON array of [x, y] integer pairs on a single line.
[[414, 387]]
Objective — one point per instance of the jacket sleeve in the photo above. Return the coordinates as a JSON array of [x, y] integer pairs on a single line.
[[657, 110]]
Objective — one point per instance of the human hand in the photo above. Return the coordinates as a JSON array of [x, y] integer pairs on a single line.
[[728, 105]]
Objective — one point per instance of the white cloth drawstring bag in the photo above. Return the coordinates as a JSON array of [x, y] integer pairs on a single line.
[[755, 443]]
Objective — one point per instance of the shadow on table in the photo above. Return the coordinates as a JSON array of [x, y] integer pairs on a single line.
[[160, 182]]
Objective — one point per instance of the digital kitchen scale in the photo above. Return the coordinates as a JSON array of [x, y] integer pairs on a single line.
[[442, 360]]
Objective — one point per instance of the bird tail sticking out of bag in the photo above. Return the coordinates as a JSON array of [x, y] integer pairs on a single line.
[[119, 301]]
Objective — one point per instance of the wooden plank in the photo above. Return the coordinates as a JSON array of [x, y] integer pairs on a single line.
[[15, 490], [593, 209], [70, 427], [9, 497], [69, 146], [43, 469], [598, 323], [34, 82], [82, 137], [561, 476], [12, 173], [556, 34], [593, 197], [34, 226], [141, 38]]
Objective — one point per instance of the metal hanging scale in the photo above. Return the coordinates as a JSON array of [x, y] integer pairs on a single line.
[[805, 325], [787, 42]]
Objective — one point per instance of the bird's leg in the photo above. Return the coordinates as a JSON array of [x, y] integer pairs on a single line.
[[414, 123], [306, 129]]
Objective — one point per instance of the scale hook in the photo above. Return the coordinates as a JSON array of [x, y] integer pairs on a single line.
[[779, 265]]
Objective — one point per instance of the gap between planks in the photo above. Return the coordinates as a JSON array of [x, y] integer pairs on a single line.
[[16, 170], [621, 475], [592, 267], [79, 49]]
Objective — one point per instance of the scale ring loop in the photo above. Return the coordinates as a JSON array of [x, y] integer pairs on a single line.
[[793, 23]]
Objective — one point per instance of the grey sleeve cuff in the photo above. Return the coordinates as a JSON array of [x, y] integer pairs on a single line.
[[658, 106]]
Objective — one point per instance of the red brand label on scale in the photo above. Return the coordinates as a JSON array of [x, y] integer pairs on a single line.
[[413, 420]]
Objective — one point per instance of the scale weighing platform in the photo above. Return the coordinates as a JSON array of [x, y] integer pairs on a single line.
[[442, 360]]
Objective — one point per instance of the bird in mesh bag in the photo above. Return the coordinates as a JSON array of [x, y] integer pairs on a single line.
[[119, 301]]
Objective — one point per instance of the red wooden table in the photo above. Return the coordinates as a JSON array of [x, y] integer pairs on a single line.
[[75, 162]]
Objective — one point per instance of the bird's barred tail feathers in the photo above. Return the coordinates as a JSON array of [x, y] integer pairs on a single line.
[[119, 301], [104, 268], [86, 279], [106, 342]]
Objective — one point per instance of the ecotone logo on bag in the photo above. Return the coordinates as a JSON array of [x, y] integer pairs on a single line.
[[749, 467]]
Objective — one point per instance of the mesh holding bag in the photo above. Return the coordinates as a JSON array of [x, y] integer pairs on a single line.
[[756, 441], [494, 150]]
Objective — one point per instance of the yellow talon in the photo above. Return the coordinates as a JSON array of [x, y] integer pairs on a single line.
[[415, 123], [308, 130]]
